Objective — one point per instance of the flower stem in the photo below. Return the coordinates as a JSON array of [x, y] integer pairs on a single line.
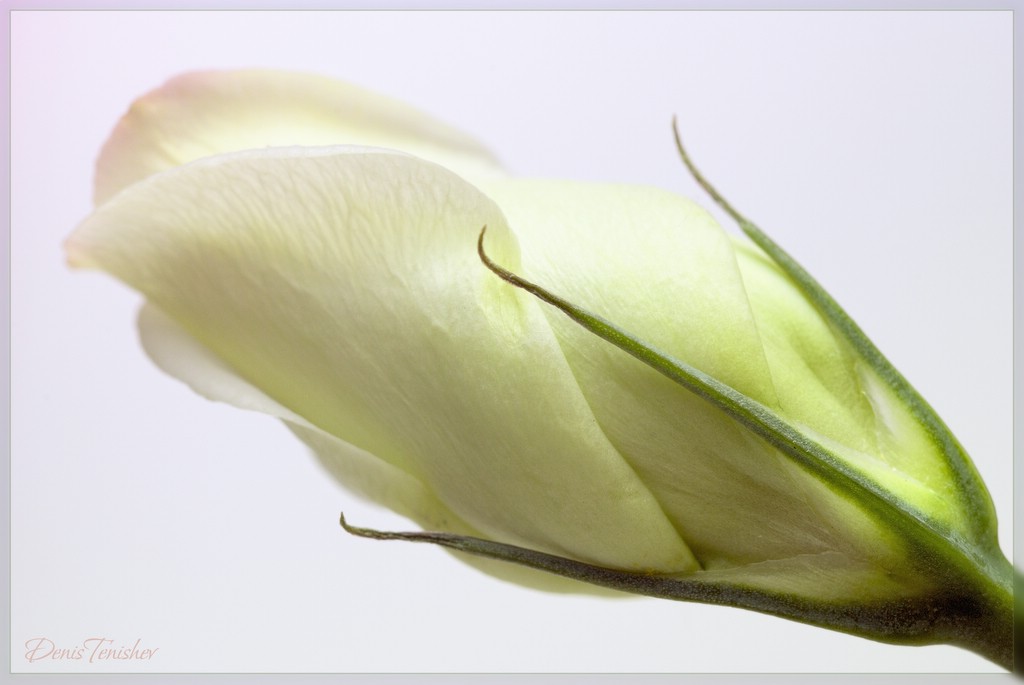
[[973, 621]]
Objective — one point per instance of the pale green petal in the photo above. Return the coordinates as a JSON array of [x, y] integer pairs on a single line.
[[825, 389], [658, 266], [180, 355], [205, 113], [345, 285], [828, 578]]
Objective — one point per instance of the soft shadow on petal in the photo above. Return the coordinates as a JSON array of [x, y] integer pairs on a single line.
[[205, 113], [345, 284], [180, 356], [660, 267]]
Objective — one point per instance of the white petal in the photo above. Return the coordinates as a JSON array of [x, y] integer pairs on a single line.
[[658, 266], [345, 286], [206, 113], [180, 355]]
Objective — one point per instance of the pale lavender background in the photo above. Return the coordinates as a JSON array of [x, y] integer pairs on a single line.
[[875, 146]]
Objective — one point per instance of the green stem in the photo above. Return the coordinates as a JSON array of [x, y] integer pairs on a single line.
[[967, 620]]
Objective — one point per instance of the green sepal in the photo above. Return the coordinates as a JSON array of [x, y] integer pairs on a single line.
[[943, 617]]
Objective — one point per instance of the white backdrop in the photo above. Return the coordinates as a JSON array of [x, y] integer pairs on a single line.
[[876, 147]]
